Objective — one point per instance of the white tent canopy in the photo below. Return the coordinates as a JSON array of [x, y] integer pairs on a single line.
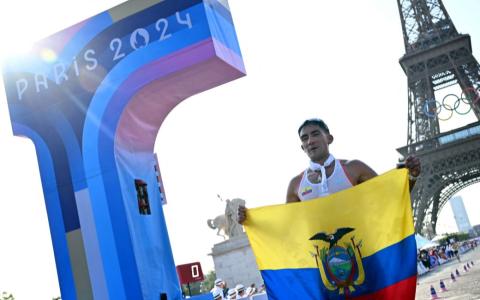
[[424, 243]]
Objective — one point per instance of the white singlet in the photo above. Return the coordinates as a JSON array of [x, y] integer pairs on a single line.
[[337, 181]]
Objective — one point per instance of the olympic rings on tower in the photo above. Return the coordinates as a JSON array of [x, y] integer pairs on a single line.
[[452, 103]]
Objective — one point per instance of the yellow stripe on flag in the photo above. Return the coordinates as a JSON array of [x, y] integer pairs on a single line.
[[379, 210]]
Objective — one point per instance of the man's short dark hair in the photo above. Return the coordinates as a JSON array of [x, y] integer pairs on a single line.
[[318, 122]]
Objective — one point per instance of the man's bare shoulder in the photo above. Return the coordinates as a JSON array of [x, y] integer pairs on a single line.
[[292, 188], [358, 169], [353, 163], [294, 183], [297, 178]]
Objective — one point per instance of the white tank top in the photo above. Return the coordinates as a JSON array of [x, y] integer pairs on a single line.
[[337, 181]]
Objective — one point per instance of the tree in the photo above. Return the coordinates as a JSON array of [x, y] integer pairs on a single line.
[[208, 282], [457, 237], [201, 287], [194, 288], [7, 296]]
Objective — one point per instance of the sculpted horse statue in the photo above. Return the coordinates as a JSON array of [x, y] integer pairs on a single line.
[[228, 221], [219, 223]]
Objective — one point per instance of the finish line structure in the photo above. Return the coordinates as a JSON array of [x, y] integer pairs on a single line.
[[92, 99]]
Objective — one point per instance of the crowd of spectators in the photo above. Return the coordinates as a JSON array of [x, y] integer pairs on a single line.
[[429, 259], [221, 292]]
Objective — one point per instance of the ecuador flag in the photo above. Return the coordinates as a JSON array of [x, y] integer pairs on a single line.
[[355, 244]]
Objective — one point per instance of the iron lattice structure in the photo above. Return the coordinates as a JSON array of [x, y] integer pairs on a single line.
[[437, 57]]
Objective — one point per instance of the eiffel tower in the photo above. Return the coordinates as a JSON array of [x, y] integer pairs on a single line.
[[438, 57]]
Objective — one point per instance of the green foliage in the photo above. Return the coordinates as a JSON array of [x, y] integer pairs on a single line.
[[457, 236], [201, 287], [194, 288], [7, 296], [463, 237], [208, 282]]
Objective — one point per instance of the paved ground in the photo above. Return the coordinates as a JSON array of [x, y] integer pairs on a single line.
[[467, 286]]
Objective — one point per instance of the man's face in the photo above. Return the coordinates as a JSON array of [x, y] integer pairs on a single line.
[[315, 142]]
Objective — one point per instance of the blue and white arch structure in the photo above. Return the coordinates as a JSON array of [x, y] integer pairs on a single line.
[[92, 99]]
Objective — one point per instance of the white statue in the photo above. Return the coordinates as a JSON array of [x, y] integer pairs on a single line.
[[218, 223], [228, 221], [231, 225]]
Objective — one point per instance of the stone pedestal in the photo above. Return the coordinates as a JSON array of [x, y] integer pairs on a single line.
[[235, 263]]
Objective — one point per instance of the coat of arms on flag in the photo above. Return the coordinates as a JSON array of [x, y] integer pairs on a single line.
[[340, 267]]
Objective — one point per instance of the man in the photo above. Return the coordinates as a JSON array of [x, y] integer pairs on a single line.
[[241, 293], [217, 295], [251, 290], [219, 288], [325, 174], [232, 294]]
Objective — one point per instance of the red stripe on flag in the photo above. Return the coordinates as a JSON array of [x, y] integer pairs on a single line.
[[402, 290]]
